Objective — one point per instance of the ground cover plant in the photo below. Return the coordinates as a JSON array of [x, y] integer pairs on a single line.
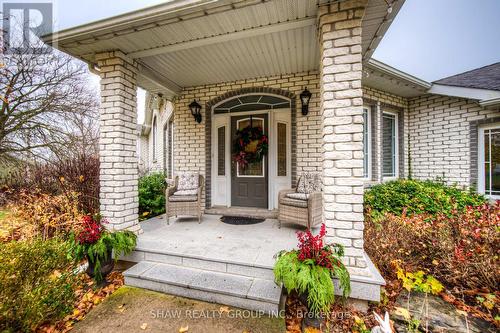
[[36, 283], [411, 197]]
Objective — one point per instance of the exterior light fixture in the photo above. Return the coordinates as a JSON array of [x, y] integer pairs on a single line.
[[305, 96], [195, 111]]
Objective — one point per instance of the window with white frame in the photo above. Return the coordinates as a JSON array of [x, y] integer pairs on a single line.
[[366, 143], [489, 161], [154, 138], [389, 145]]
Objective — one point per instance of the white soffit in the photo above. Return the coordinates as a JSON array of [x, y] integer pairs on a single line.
[[384, 77], [193, 42]]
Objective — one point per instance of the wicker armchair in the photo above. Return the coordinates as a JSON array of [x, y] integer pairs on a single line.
[[190, 205], [307, 212]]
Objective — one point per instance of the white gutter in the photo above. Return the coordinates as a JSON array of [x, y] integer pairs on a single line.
[[490, 103], [386, 69]]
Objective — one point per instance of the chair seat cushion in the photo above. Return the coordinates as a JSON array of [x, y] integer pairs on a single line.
[[186, 192], [188, 181], [298, 196], [182, 198], [293, 202]]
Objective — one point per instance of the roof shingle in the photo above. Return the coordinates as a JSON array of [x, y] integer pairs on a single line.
[[487, 77]]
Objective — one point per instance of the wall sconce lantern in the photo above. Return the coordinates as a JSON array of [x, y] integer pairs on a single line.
[[305, 96], [195, 110]]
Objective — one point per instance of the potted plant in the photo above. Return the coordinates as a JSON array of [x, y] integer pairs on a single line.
[[96, 244], [309, 272]]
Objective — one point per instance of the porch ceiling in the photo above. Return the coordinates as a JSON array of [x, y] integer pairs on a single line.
[[192, 42]]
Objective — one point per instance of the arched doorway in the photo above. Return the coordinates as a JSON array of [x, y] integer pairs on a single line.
[[258, 184]]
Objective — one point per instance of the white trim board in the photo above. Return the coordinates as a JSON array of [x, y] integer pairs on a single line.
[[480, 160], [471, 93]]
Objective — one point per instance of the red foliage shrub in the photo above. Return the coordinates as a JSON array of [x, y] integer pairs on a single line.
[[313, 248], [460, 250], [91, 230]]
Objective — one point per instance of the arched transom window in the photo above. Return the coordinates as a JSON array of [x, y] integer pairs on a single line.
[[252, 103]]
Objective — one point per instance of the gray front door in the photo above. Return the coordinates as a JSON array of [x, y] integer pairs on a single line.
[[249, 185]]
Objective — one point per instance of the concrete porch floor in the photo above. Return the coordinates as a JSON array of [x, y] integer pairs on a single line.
[[214, 240], [228, 264]]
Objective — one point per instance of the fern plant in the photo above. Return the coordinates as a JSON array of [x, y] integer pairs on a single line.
[[309, 270], [95, 243]]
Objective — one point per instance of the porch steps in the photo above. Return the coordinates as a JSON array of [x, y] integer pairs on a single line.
[[238, 288]]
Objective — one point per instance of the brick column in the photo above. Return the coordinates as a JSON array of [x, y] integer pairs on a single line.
[[342, 123], [119, 201]]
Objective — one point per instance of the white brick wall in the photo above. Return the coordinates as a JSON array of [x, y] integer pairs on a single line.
[[439, 128], [118, 141], [342, 126]]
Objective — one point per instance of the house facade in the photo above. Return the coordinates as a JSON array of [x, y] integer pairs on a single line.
[[439, 131], [246, 63]]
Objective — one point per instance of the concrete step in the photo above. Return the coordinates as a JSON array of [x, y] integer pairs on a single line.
[[244, 292], [205, 263]]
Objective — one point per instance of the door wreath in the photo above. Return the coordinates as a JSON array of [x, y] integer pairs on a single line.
[[250, 146]]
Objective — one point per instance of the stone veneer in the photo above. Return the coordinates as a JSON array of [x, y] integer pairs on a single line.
[[118, 195], [443, 137]]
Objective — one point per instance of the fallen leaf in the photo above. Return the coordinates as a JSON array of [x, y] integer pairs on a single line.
[[402, 312], [144, 326], [183, 329], [224, 309]]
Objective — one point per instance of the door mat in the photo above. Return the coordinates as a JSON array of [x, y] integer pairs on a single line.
[[241, 220]]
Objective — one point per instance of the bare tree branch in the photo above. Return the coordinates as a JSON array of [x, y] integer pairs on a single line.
[[47, 109]]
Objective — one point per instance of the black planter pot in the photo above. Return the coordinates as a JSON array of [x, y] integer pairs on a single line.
[[107, 266], [311, 319]]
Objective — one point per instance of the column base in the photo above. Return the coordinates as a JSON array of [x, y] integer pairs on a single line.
[[365, 282], [136, 229]]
